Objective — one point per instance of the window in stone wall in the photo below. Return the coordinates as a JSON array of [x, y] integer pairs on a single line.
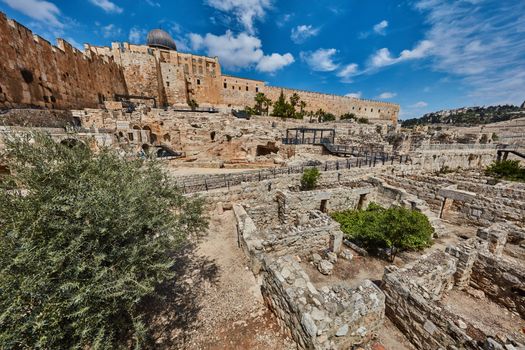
[[198, 81], [378, 111], [256, 89], [225, 85], [167, 83], [371, 109], [233, 87], [247, 89]]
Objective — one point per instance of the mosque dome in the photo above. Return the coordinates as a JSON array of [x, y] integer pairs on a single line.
[[160, 39]]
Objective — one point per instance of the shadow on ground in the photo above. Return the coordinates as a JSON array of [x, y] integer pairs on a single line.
[[174, 315]]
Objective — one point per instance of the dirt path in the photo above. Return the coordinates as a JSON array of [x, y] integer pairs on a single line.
[[225, 308]]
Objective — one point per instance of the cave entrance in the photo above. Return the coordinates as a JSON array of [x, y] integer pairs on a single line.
[[269, 148], [324, 204], [361, 203]]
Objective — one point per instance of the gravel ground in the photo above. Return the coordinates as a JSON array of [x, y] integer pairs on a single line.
[[217, 302]]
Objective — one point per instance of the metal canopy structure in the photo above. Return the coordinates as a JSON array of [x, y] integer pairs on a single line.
[[315, 136]]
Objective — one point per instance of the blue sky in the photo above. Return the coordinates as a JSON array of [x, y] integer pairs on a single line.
[[425, 55]]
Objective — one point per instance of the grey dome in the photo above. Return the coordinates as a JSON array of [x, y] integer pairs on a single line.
[[161, 39]]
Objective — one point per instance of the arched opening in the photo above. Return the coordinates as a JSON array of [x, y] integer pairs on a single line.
[[166, 138], [212, 135]]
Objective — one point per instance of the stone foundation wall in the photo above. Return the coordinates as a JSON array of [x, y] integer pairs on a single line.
[[412, 295], [501, 279], [332, 317]]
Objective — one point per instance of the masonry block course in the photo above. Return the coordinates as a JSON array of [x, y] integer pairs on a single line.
[[36, 73]]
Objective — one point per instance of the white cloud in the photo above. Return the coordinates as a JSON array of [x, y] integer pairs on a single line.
[[321, 60], [357, 94], [274, 62], [383, 57], [386, 95], [380, 28], [482, 43], [107, 6], [348, 71], [42, 11], [153, 3], [420, 104], [284, 19], [303, 32], [239, 51], [245, 11], [111, 31], [136, 35]]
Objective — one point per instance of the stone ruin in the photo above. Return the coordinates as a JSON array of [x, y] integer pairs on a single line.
[[300, 253]]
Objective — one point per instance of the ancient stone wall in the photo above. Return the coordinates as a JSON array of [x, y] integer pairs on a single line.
[[375, 111], [313, 316], [35, 73], [501, 279]]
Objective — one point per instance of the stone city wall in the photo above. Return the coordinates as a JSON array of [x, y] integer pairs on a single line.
[[375, 111], [35, 73]]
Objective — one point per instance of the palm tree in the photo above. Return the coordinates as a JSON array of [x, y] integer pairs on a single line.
[[302, 105]]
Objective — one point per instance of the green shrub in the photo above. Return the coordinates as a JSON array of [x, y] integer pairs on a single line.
[[193, 104], [309, 179], [507, 169], [84, 239], [347, 116], [396, 228]]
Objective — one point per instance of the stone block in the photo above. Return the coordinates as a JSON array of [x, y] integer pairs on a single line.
[[325, 267]]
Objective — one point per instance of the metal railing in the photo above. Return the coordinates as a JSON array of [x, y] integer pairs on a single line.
[[211, 182]]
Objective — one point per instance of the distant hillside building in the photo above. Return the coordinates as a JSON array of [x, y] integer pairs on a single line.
[[35, 73]]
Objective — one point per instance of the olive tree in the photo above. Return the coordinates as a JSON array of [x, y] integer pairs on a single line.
[[84, 238]]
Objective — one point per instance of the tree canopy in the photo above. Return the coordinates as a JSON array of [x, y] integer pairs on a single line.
[[84, 239], [395, 228]]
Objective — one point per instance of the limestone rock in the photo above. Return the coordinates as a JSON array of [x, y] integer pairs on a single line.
[[316, 258], [347, 255], [342, 331], [461, 324], [332, 257], [325, 267], [309, 325]]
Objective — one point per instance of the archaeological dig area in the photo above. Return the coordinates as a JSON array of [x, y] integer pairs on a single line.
[[332, 230]]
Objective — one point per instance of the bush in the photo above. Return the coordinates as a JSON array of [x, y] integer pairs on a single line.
[[309, 179], [84, 239], [347, 116], [394, 229], [362, 120], [507, 169]]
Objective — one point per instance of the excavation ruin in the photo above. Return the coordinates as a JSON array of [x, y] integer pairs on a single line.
[[275, 270]]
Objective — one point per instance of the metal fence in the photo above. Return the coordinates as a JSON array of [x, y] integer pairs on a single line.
[[226, 181]]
